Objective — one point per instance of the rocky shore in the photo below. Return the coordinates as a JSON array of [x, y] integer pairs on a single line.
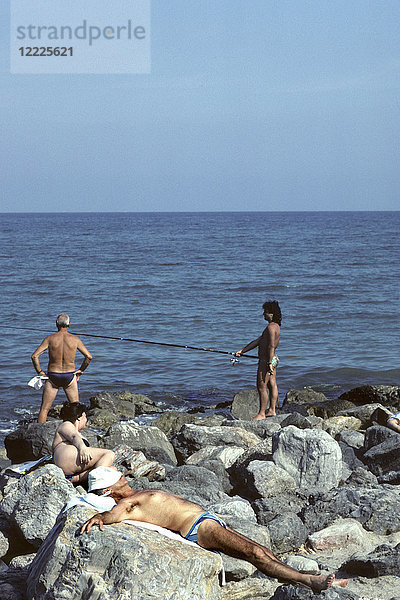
[[319, 484]]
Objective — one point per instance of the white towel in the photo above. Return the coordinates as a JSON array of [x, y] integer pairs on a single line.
[[37, 382], [24, 468]]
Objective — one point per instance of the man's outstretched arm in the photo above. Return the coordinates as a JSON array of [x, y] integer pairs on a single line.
[[119, 513]]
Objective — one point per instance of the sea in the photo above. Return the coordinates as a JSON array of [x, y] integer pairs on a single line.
[[199, 280]]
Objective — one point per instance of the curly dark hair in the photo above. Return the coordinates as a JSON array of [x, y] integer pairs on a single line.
[[72, 411], [273, 307]]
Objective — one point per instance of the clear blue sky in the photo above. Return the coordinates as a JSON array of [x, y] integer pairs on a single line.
[[250, 105]]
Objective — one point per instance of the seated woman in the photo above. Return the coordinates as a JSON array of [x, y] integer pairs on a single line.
[[71, 452], [393, 422]]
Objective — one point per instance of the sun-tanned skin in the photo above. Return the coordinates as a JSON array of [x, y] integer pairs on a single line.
[[62, 347], [394, 423], [71, 454], [173, 512], [266, 373]]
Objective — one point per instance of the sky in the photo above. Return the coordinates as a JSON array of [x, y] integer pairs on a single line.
[[250, 105]]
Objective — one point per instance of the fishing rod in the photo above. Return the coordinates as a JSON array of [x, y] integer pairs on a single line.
[[124, 339]]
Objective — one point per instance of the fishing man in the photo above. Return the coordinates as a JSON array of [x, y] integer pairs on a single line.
[[193, 523], [62, 347], [267, 360]]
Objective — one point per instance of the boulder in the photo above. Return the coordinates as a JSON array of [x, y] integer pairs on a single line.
[[264, 479], [227, 455], [235, 507], [385, 457], [311, 457], [238, 471], [302, 422], [287, 533], [384, 560], [291, 592], [139, 438], [246, 404], [13, 584], [123, 561], [288, 502], [138, 466], [248, 589], [366, 413], [354, 439], [349, 458], [306, 397], [334, 425], [387, 395], [378, 510], [376, 435], [263, 429], [192, 438], [32, 506], [171, 421], [340, 534]]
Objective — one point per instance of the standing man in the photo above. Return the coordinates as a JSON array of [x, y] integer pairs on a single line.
[[62, 347], [267, 359]]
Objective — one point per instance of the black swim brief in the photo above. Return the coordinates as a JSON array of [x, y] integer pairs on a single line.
[[61, 379]]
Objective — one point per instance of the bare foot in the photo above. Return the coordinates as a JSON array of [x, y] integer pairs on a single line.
[[270, 414], [323, 582], [258, 418]]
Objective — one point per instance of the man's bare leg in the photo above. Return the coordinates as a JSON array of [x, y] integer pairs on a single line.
[[273, 394], [262, 380], [71, 391], [212, 535], [48, 396]]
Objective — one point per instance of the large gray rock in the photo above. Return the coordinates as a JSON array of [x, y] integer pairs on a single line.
[[311, 457], [384, 457], [13, 584], [365, 413], [384, 560], [264, 429], [291, 592], [340, 534], [264, 479], [376, 435], [192, 438], [171, 421], [246, 404], [227, 455], [377, 509], [288, 502], [238, 471], [387, 395], [287, 533], [121, 563], [139, 438], [32, 506]]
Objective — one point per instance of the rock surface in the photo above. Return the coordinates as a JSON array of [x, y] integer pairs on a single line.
[[286, 482]]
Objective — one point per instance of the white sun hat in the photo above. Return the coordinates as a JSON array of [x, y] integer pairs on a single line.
[[103, 477]]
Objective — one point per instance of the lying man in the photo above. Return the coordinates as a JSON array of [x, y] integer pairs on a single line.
[[193, 523]]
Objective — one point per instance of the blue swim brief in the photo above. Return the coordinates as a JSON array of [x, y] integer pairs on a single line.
[[192, 535], [395, 416], [61, 379]]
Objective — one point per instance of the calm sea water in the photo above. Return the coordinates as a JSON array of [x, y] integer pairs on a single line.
[[200, 279]]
